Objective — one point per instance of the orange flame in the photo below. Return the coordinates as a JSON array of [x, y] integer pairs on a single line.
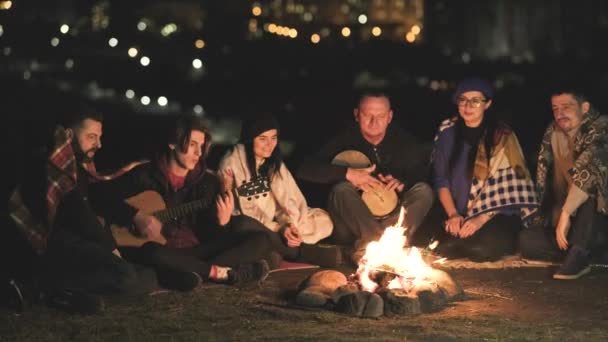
[[389, 254]]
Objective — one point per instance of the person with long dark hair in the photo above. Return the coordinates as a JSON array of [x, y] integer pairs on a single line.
[[197, 244], [268, 198], [481, 179]]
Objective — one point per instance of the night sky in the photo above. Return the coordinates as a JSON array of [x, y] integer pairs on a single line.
[[143, 62]]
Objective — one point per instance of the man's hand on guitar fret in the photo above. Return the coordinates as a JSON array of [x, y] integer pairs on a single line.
[[225, 207], [148, 226], [362, 178], [391, 183]]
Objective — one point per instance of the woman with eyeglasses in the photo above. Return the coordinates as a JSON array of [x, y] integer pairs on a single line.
[[481, 179]]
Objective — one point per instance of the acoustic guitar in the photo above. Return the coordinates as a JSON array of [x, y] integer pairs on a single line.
[[379, 201], [152, 203]]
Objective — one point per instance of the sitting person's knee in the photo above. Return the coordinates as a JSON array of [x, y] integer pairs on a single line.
[[342, 188]]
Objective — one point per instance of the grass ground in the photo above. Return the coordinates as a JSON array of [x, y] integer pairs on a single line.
[[522, 304]]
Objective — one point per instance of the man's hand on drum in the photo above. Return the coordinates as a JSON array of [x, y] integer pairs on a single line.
[[391, 183], [362, 178]]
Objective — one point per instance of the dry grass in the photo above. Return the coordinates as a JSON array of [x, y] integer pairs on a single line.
[[502, 305]]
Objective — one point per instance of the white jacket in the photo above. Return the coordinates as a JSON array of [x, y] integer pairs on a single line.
[[277, 204]]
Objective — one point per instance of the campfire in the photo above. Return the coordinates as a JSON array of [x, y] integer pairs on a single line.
[[387, 264], [391, 279], [403, 276]]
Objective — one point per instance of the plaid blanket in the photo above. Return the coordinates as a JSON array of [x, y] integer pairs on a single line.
[[503, 190], [503, 182], [61, 170]]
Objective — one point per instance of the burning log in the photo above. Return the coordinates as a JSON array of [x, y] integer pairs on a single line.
[[391, 279], [400, 302], [361, 304]]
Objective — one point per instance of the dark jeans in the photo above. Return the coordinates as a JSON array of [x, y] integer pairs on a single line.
[[587, 231], [495, 239], [243, 223], [354, 223], [73, 262], [221, 248]]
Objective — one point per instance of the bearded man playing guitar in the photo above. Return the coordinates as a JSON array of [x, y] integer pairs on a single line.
[[189, 241], [393, 165]]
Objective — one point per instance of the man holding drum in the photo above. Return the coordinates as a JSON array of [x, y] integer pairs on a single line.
[[375, 169]]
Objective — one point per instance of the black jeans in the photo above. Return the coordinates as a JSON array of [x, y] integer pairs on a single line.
[[495, 239], [354, 223], [221, 248], [588, 231], [73, 262], [243, 223]]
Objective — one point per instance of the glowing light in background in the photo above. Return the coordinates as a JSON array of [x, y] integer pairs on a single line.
[[54, 41], [162, 101], [345, 31], [256, 10], [415, 29], [410, 37], [145, 61], [130, 93], [132, 52], [293, 33], [145, 100], [6, 5], [198, 109], [113, 42], [168, 29], [315, 38], [64, 29], [142, 26], [376, 31], [362, 19], [197, 63], [199, 44], [69, 63]]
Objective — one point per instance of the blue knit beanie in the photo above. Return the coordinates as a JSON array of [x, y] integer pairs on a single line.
[[474, 84]]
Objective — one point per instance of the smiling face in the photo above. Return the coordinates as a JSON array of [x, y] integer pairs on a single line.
[[265, 143], [567, 111], [186, 159]]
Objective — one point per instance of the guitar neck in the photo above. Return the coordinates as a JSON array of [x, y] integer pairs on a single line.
[[180, 210]]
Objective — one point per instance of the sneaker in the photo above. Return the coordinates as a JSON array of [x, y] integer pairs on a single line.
[[75, 301], [575, 265], [249, 274], [322, 255], [179, 280]]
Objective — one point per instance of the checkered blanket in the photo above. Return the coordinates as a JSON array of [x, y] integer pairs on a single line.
[[502, 190], [503, 182]]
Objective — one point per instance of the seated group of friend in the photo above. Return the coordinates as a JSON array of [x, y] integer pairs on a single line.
[[172, 222]]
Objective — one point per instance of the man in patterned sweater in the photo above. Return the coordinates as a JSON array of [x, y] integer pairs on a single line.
[[572, 176]]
